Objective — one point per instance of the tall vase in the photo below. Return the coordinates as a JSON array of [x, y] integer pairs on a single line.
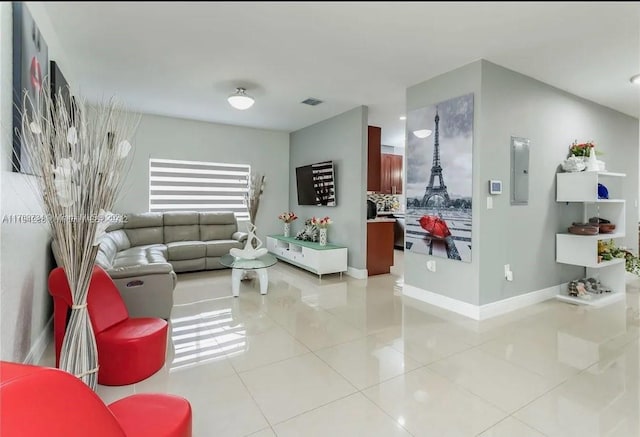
[[592, 162], [287, 229], [323, 236]]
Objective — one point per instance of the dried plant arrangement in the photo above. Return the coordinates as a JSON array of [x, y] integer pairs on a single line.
[[78, 155]]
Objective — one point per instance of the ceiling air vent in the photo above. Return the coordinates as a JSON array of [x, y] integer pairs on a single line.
[[311, 101]]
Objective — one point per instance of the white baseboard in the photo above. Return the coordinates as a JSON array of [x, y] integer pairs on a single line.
[[448, 303], [504, 306], [357, 273], [481, 312], [37, 350]]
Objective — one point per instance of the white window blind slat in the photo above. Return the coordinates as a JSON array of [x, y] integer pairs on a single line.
[[176, 185]]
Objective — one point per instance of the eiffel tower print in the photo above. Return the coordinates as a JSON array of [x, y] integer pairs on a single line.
[[436, 192]]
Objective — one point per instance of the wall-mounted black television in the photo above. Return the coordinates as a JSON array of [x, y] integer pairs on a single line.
[[316, 184]]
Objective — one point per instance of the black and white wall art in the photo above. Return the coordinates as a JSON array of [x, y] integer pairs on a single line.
[[439, 179], [30, 70]]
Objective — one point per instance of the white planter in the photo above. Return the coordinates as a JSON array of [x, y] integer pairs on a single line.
[[287, 229]]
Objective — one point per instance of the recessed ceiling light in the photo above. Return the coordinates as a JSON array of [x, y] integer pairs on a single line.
[[635, 79], [422, 133], [403, 117]]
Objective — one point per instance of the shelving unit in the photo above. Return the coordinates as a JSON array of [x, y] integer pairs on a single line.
[[582, 250], [313, 257]]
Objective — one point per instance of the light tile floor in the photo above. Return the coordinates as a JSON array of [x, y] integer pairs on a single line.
[[350, 357]]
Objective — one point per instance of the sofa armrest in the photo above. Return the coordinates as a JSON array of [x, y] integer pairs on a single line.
[[139, 270], [240, 236]]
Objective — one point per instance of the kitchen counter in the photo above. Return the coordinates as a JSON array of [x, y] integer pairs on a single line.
[[382, 220], [393, 213]]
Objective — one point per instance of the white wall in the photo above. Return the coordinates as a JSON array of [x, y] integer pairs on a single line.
[[508, 104], [455, 279], [24, 255], [343, 140], [523, 236], [173, 138]]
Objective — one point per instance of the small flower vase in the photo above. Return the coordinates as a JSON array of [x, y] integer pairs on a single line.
[[592, 162], [323, 236], [287, 229]]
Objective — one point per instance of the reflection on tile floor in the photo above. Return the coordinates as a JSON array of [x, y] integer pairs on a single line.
[[350, 357]]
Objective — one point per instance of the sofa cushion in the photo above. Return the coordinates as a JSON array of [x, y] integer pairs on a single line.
[[144, 228], [115, 226], [179, 218], [120, 238], [181, 233], [221, 247], [103, 260], [142, 236], [127, 271], [184, 250], [143, 220], [158, 248], [217, 232], [189, 265], [217, 218], [108, 247]]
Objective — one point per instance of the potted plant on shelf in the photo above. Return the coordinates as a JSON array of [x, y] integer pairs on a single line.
[[607, 251], [287, 218], [322, 224], [585, 151]]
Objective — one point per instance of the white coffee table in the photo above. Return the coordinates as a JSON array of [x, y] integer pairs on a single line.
[[239, 266]]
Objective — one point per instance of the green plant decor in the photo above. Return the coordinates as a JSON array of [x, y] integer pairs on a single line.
[[608, 251]]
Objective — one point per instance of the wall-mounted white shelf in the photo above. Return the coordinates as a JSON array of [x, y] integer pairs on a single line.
[[582, 250], [596, 300], [583, 186]]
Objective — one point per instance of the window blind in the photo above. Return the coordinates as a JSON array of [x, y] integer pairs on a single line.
[[198, 186]]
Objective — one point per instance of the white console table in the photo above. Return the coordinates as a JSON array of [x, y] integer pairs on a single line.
[[320, 260]]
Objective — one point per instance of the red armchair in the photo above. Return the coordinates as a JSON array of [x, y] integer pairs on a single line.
[[129, 349], [40, 401]]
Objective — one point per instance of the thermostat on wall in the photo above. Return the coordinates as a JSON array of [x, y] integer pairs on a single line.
[[495, 187]]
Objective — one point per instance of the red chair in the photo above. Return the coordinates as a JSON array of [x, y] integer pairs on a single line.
[[129, 350], [40, 401]]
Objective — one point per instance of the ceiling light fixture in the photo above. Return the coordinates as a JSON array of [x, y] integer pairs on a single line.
[[403, 117], [422, 133], [240, 99], [635, 79]]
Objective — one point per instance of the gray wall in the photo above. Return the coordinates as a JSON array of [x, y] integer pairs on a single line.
[[173, 138], [455, 279], [24, 254], [508, 103], [343, 140], [524, 236]]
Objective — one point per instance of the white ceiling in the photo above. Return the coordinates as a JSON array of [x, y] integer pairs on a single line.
[[183, 59]]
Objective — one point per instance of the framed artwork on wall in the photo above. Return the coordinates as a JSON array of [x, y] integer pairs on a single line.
[[30, 68], [439, 179]]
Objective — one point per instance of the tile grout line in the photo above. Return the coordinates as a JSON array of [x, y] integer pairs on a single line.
[[361, 391]]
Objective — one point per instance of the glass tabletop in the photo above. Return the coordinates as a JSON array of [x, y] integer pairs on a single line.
[[262, 262]]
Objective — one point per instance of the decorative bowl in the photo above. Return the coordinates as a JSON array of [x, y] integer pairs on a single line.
[[583, 229], [607, 228], [573, 164]]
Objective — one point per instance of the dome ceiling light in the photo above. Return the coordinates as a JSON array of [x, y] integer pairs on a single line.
[[240, 99]]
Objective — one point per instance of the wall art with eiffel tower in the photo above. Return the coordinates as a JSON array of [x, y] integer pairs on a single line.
[[439, 184]]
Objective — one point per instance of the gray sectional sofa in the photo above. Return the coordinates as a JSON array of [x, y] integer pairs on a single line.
[[143, 254]]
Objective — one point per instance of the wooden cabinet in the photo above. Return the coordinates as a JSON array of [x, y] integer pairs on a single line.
[[373, 158], [379, 246], [391, 174]]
